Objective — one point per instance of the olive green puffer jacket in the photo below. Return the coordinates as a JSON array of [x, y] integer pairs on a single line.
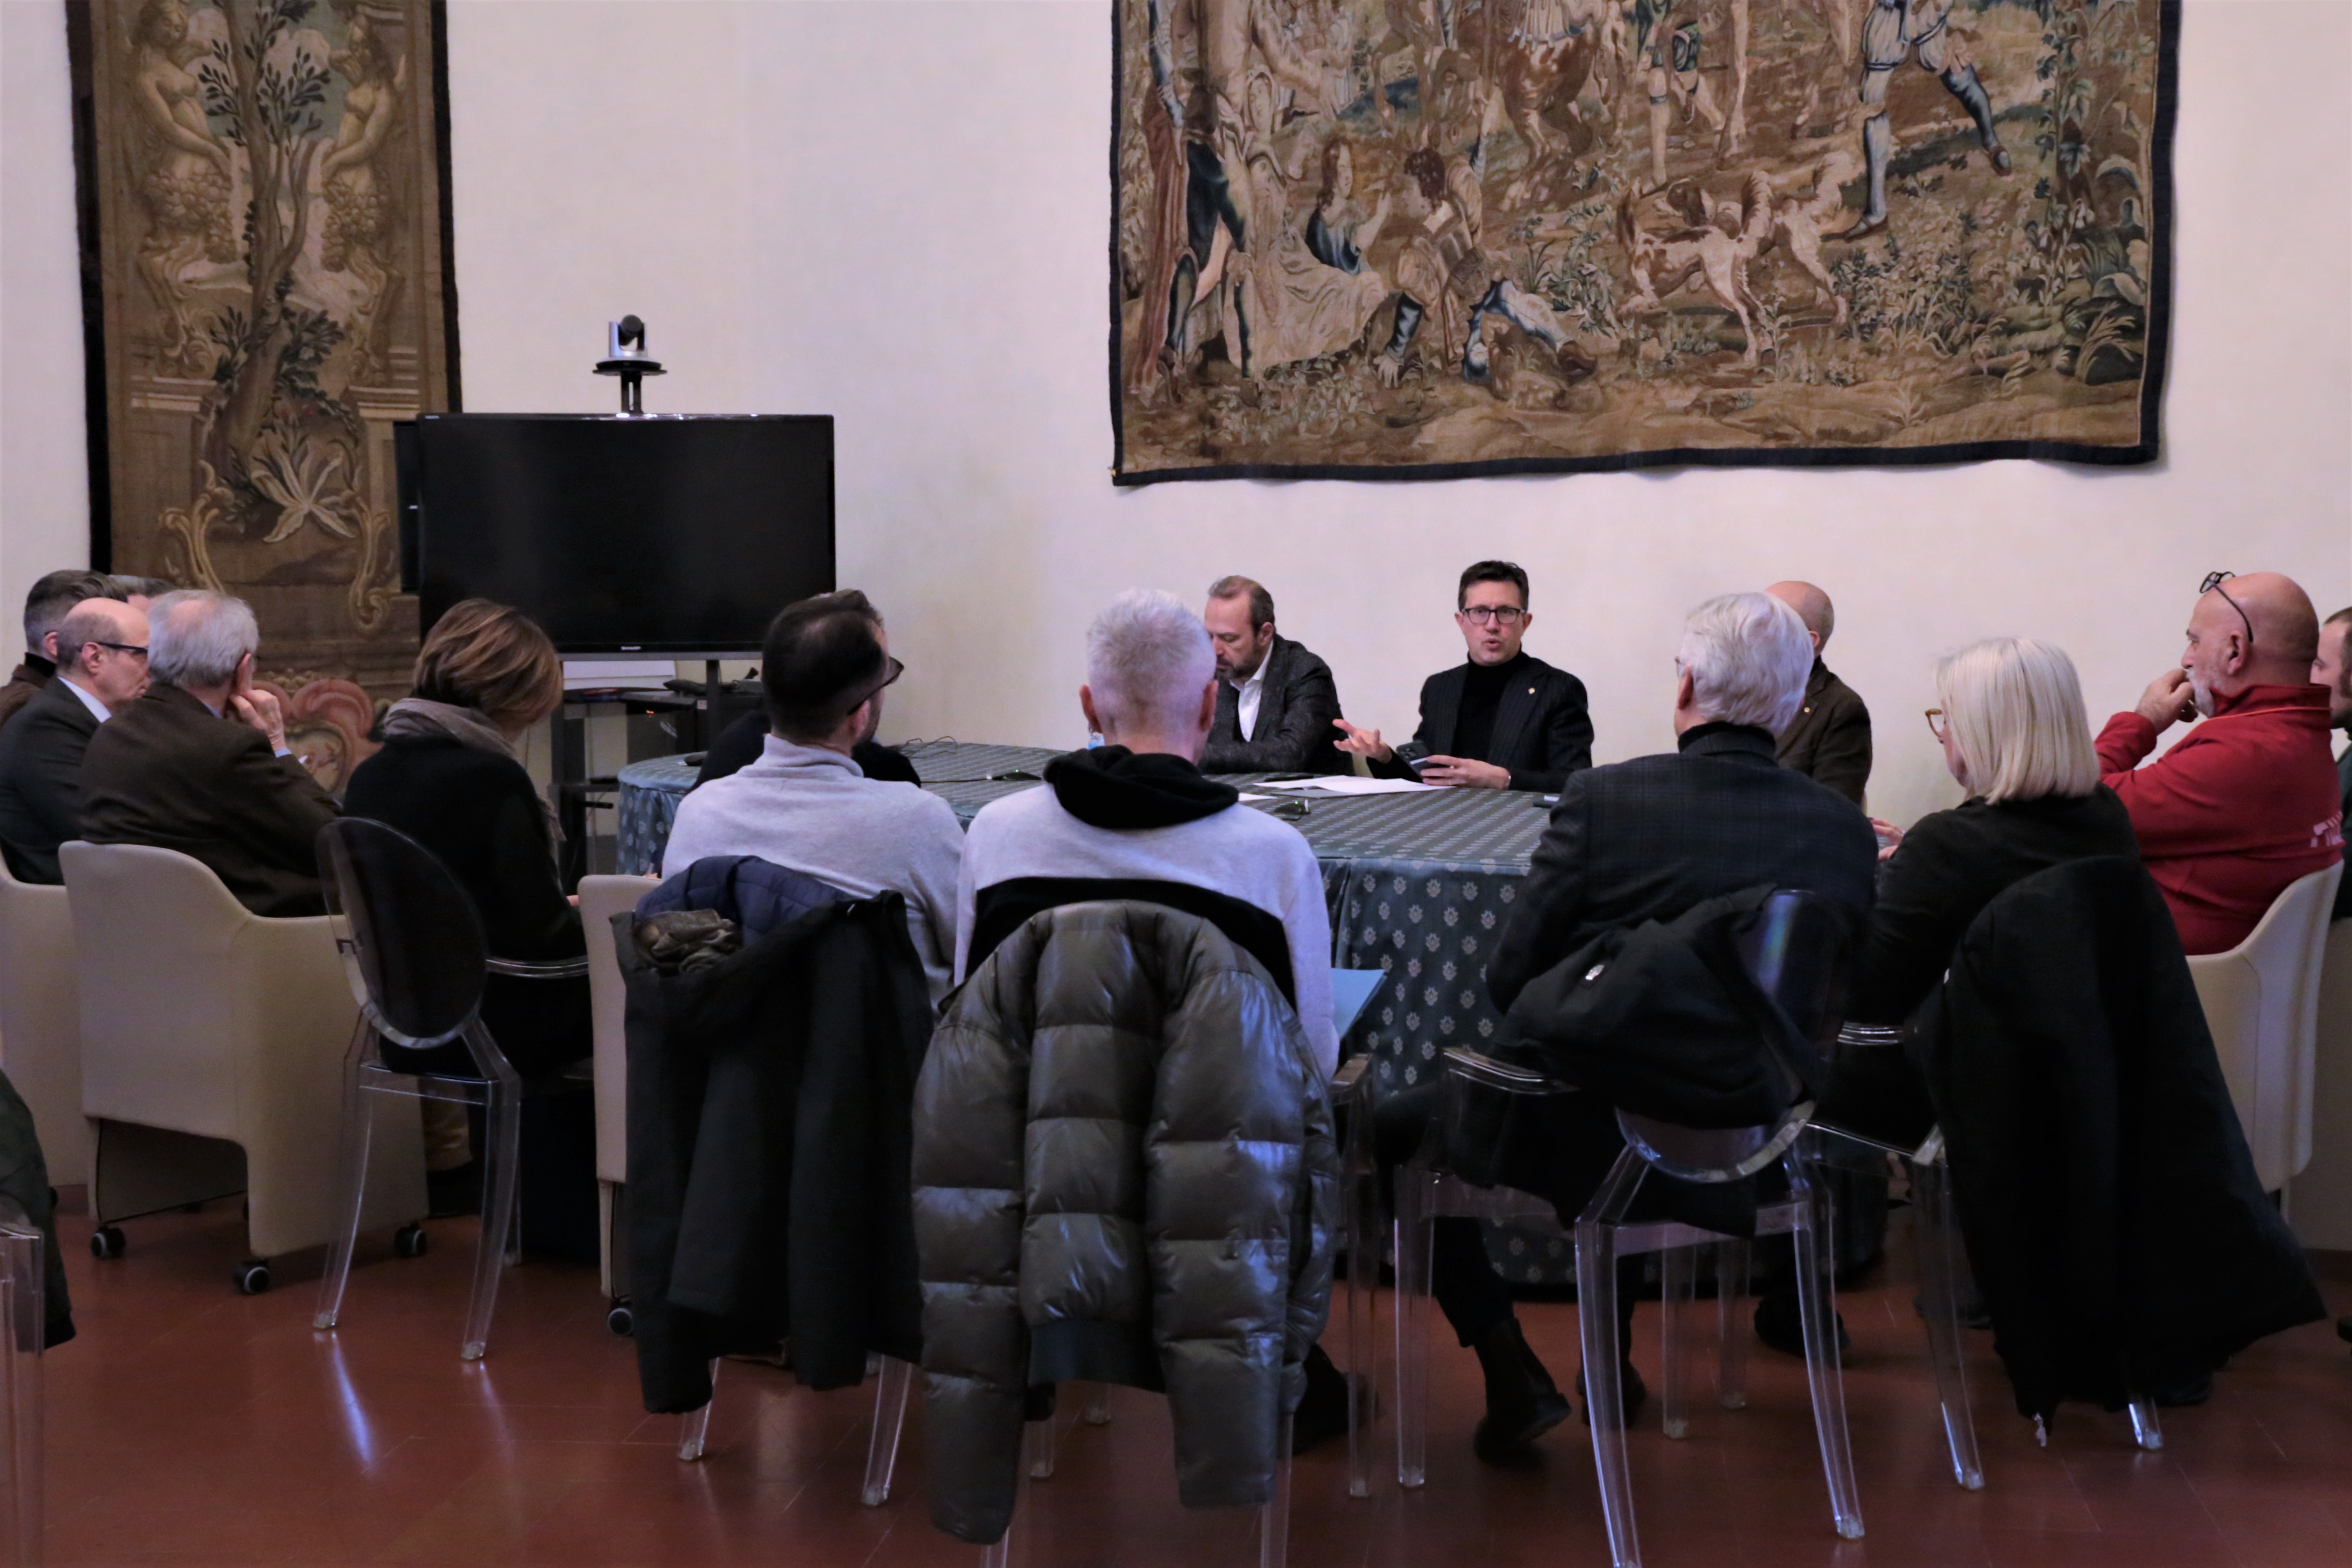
[[1124, 1173]]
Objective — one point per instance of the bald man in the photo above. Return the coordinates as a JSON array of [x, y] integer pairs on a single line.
[[2246, 803], [1829, 740], [102, 659]]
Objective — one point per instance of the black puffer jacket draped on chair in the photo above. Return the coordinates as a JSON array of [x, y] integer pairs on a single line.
[[1124, 1173], [2111, 1213]]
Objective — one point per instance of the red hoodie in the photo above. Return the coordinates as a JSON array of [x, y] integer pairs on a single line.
[[2244, 804]]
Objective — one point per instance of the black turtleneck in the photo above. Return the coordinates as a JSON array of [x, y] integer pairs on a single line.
[[1482, 694]]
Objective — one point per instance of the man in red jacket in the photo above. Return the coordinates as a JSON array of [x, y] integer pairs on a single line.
[[2246, 803]]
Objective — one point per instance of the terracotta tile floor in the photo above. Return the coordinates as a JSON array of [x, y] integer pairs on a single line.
[[190, 1424]]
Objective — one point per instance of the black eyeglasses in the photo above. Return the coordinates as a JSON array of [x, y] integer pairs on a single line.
[[121, 647], [889, 677], [2212, 584], [1504, 615]]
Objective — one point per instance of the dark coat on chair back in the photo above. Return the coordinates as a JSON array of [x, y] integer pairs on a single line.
[[1125, 1172], [2113, 1217], [165, 771], [1829, 740], [480, 815], [1542, 730], [40, 780], [1294, 733], [768, 1106], [1648, 839]]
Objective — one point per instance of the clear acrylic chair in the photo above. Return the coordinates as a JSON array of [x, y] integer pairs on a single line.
[[1360, 1174], [1943, 1264], [1795, 950], [24, 1320], [1011, 1549], [414, 950], [895, 1380]]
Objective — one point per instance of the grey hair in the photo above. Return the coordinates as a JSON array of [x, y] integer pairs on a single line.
[[1147, 660], [195, 637], [1748, 656]]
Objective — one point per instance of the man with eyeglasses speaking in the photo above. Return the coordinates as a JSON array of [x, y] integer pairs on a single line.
[[101, 657], [2246, 803], [1503, 719]]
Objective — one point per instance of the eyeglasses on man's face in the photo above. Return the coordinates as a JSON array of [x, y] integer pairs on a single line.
[[1500, 614], [121, 647]]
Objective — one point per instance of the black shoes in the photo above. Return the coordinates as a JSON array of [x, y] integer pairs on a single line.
[[1780, 1324], [450, 1193], [1322, 1412], [1522, 1402], [1632, 1394]]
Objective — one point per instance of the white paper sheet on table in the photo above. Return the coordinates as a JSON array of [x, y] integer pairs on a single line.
[[1344, 785]]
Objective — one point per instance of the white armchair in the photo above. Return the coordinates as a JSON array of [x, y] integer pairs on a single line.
[[2261, 1002], [209, 1033], [601, 898], [40, 1021]]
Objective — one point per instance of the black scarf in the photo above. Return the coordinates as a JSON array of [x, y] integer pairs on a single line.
[[1111, 786]]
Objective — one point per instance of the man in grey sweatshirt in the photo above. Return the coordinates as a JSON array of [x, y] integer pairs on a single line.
[[806, 805]]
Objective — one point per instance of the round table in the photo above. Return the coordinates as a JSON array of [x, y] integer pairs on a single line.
[[1418, 885]]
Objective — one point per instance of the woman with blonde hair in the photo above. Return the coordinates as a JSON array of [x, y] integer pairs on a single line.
[[448, 777], [2015, 735]]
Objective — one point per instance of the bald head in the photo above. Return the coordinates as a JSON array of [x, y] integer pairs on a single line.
[[2251, 631], [102, 649], [1812, 607]]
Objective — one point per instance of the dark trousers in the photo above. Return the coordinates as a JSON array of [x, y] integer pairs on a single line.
[[1559, 1148]]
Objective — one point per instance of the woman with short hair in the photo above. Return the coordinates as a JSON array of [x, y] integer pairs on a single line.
[[2016, 737], [448, 777]]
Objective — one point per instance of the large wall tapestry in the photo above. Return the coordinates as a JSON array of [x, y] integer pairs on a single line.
[[266, 290], [1423, 238]]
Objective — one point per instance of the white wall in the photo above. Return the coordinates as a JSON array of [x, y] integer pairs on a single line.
[[43, 464], [897, 213]]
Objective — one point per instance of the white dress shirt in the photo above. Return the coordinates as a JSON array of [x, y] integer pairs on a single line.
[[1246, 702], [96, 708]]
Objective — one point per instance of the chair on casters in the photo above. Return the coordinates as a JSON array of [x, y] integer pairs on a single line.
[[23, 1322], [414, 953], [1796, 952], [601, 898], [2261, 1002], [40, 1020], [212, 1045]]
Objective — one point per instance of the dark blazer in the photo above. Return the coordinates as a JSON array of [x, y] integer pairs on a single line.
[[1646, 840], [2344, 778], [1952, 864], [2113, 1216], [1829, 740], [480, 815], [40, 780], [25, 683], [164, 771], [1542, 732], [1294, 733], [740, 744]]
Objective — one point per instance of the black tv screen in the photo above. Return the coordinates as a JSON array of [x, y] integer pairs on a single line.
[[660, 534]]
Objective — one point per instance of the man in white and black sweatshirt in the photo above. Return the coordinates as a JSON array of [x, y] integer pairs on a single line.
[[1135, 819]]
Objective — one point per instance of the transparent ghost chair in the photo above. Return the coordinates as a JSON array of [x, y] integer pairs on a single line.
[[414, 950], [24, 1319], [1795, 951]]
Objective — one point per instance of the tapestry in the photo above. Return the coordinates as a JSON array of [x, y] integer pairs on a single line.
[[266, 290], [1431, 238]]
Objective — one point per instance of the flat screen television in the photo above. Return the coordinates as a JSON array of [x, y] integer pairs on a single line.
[[666, 535]]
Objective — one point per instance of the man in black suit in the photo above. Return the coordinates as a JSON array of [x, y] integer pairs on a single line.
[[1635, 841], [102, 660], [199, 763], [1829, 740], [1275, 701], [1505, 719], [46, 607]]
